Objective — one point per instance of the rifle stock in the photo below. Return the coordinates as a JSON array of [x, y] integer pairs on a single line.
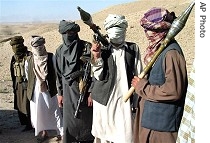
[[177, 25]]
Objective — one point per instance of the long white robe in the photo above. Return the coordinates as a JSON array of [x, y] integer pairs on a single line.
[[45, 112], [113, 122]]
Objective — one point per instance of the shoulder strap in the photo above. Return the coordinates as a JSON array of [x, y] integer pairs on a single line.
[[19, 69]]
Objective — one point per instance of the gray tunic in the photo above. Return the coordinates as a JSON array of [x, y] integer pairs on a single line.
[[67, 63]]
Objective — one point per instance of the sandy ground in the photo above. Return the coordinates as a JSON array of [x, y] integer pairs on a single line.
[[10, 128]]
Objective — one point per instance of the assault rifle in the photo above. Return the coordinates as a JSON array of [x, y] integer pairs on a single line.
[[87, 19], [83, 86]]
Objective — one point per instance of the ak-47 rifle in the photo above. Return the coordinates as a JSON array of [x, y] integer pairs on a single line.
[[83, 86], [87, 19]]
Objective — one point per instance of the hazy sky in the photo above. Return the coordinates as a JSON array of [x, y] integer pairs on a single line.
[[47, 10]]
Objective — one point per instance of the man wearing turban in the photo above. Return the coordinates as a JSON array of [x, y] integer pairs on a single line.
[[113, 69], [21, 102], [40, 71], [71, 58], [162, 92]]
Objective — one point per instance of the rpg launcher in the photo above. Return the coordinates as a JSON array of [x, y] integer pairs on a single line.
[[87, 19], [177, 25]]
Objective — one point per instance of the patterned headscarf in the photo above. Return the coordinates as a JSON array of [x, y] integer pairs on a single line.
[[156, 23], [40, 57]]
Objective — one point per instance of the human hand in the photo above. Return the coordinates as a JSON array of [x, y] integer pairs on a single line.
[[134, 81], [90, 101], [96, 50], [60, 100]]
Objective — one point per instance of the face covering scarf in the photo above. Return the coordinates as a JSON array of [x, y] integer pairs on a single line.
[[156, 23], [115, 26], [116, 35], [40, 57]]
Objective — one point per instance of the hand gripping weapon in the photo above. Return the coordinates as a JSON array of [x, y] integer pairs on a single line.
[[87, 19], [83, 86], [177, 25]]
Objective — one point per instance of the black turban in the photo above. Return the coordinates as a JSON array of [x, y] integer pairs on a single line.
[[16, 40], [17, 45], [68, 25]]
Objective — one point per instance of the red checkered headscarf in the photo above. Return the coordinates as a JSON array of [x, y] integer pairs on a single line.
[[156, 23]]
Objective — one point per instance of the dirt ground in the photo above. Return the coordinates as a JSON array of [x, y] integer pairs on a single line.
[[10, 127]]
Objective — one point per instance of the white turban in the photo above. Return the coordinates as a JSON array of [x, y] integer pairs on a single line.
[[114, 20], [115, 26]]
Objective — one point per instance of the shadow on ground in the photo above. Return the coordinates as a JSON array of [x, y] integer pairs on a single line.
[[11, 130]]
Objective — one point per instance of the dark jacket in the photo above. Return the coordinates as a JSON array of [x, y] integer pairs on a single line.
[[102, 88]]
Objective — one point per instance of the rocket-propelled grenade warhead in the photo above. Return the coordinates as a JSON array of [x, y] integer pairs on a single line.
[[87, 19], [85, 16], [179, 23]]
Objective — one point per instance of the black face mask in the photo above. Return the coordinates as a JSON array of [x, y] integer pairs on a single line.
[[69, 39], [72, 37], [19, 49]]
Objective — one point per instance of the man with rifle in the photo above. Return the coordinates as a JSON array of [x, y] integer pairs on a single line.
[[73, 73]]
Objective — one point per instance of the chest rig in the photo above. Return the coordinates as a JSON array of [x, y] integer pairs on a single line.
[[19, 69]]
